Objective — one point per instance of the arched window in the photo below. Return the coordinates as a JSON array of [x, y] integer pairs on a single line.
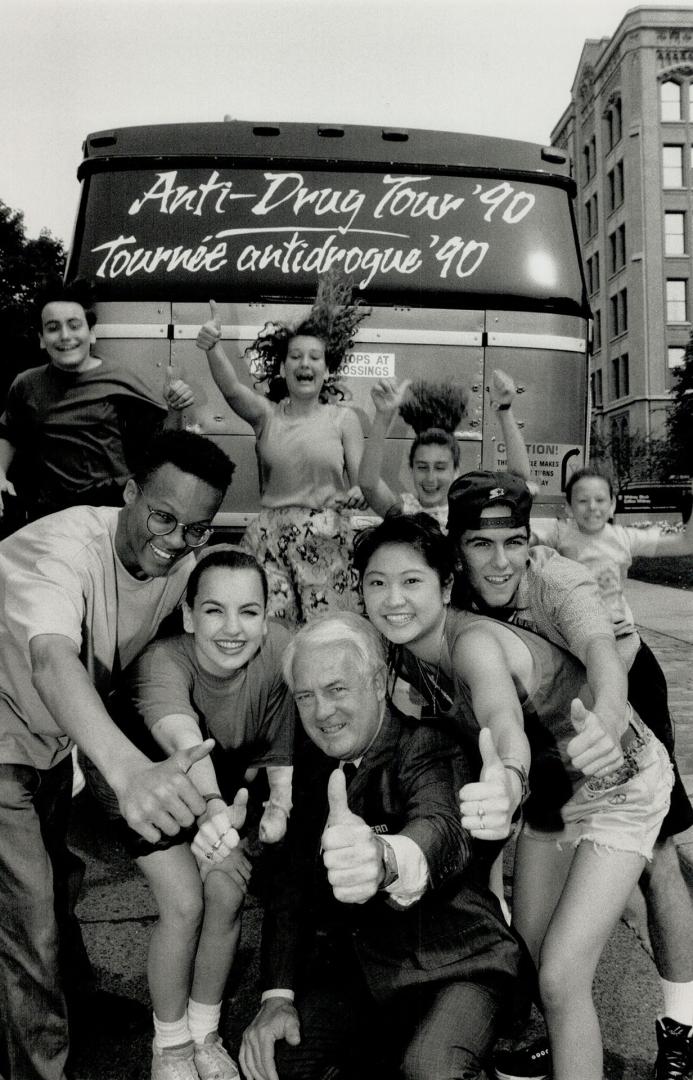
[[670, 100]]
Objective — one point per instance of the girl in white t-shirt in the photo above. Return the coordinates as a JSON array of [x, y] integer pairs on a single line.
[[607, 550]]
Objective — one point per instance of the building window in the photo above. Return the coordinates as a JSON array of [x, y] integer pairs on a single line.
[[619, 376], [676, 355], [588, 219], [614, 184], [618, 305], [595, 215], [670, 100], [617, 249], [597, 332], [611, 188], [593, 273], [596, 387], [586, 161], [674, 233], [625, 375], [672, 166], [676, 300], [614, 124]]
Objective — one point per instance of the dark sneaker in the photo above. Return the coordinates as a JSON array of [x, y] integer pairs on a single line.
[[675, 1054], [531, 1062]]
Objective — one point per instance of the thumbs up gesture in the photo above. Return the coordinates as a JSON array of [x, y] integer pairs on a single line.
[[350, 851], [209, 335], [217, 835], [487, 807], [593, 750]]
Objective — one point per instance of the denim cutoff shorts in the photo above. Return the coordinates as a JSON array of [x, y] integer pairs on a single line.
[[623, 811]]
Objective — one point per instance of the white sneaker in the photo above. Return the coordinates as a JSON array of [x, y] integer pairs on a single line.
[[213, 1062], [174, 1063]]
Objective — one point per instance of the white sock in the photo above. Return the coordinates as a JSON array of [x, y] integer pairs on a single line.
[[171, 1032], [678, 1001], [203, 1020]]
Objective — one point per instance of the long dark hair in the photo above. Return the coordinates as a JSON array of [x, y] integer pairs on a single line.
[[333, 320]]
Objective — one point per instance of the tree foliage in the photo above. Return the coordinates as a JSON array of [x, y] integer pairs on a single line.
[[24, 264], [631, 459], [680, 418]]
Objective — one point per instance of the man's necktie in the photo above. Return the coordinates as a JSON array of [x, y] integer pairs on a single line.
[[349, 771]]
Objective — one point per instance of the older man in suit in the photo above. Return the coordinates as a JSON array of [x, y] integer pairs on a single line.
[[380, 924]]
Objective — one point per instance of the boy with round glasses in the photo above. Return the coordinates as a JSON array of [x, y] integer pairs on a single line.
[[81, 593]]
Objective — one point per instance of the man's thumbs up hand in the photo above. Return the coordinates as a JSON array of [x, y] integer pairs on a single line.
[[350, 851], [593, 750], [487, 807], [339, 814], [209, 335]]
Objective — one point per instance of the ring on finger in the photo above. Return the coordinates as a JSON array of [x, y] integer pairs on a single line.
[[209, 855], [482, 823], [217, 843], [481, 812]]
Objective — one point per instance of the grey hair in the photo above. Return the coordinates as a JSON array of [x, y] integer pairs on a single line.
[[344, 628]]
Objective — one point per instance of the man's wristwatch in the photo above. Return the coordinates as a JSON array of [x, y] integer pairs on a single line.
[[389, 863]]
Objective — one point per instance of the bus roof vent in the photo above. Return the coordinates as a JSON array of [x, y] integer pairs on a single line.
[[552, 153], [331, 132], [107, 138], [395, 135], [265, 130]]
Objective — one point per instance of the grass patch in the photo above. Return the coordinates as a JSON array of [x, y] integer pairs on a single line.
[[678, 572]]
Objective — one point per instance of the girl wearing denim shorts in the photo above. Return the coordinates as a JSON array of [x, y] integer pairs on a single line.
[[589, 827]]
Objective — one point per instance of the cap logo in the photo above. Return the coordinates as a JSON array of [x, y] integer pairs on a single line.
[[496, 493]]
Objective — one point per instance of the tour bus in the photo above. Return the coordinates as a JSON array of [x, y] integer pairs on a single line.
[[464, 246]]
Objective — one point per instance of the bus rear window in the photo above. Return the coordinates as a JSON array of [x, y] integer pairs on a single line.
[[406, 238]]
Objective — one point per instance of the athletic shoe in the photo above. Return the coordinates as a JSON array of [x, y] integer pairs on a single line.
[[675, 1055], [531, 1062], [212, 1061], [174, 1063]]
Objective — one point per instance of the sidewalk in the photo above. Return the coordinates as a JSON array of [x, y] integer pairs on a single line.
[[665, 619]]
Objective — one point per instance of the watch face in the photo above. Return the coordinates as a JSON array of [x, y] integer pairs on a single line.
[[390, 864]]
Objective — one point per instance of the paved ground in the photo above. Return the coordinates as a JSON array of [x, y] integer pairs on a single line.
[[117, 911]]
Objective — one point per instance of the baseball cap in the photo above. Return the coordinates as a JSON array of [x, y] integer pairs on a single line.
[[476, 491]]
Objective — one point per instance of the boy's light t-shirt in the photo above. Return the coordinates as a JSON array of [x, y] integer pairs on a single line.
[[411, 505], [607, 555], [61, 575]]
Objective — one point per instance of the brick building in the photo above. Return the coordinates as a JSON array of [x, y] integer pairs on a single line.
[[629, 134]]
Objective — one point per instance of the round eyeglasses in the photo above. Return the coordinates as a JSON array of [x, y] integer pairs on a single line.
[[161, 523]]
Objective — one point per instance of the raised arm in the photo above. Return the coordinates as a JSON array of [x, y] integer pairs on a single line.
[[502, 393], [676, 543], [244, 401], [387, 396], [178, 396], [480, 661]]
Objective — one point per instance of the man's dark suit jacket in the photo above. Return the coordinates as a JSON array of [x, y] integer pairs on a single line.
[[404, 784]]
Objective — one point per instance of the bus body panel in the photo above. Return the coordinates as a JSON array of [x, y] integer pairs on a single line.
[[464, 247]]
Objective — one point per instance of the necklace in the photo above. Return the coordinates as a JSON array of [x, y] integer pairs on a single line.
[[440, 699]]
